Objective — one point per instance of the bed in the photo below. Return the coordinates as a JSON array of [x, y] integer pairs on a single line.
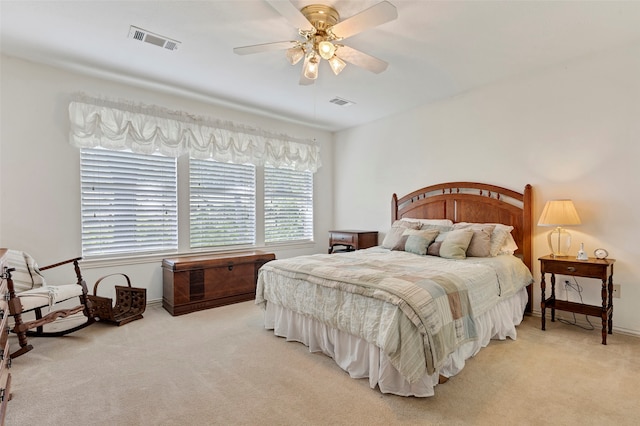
[[452, 273]]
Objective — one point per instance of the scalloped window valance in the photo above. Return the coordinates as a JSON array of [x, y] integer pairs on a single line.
[[116, 125]]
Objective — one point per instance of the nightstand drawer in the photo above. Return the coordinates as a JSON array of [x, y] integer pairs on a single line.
[[341, 238], [574, 269]]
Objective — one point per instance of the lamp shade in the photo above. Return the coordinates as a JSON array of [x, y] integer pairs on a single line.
[[326, 49], [311, 68], [294, 55], [337, 65], [559, 213]]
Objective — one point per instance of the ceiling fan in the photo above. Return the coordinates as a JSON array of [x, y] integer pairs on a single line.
[[321, 33]]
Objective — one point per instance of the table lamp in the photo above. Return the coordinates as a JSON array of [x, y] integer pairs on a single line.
[[559, 213]]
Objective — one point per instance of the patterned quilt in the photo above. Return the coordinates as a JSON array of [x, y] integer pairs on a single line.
[[417, 309]]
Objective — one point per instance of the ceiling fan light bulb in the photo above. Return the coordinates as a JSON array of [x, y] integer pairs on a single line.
[[337, 65], [294, 55], [311, 69], [326, 49]]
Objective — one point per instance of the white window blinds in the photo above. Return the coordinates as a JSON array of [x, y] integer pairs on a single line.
[[128, 202], [288, 205], [222, 203]]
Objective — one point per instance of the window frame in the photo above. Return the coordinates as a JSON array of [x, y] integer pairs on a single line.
[[237, 181], [302, 199], [112, 180]]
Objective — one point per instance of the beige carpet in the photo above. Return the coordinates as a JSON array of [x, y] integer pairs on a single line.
[[221, 367]]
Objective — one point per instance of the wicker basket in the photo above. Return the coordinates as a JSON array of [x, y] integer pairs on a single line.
[[130, 303]]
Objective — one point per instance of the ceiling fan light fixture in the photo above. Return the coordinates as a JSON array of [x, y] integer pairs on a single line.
[[321, 32], [311, 68], [337, 65], [295, 54], [326, 49]]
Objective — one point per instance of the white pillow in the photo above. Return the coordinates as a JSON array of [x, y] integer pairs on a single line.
[[439, 222], [509, 246], [406, 223], [499, 235], [498, 238], [393, 237]]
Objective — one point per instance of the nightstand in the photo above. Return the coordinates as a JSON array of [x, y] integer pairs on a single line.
[[591, 268], [352, 240]]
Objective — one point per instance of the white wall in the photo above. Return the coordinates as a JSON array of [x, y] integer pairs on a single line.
[[40, 175], [570, 131]]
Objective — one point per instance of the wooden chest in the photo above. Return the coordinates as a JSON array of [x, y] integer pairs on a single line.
[[193, 283]]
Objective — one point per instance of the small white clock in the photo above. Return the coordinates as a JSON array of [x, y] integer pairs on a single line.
[[600, 253]]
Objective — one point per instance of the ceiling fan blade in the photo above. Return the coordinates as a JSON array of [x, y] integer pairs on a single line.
[[362, 60], [266, 47], [376, 15], [291, 14]]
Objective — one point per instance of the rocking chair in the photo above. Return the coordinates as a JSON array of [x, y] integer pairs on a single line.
[[28, 292]]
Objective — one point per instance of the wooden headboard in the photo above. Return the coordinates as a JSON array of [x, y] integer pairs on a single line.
[[473, 202]]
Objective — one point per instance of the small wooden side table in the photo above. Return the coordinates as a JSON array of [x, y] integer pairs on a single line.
[[352, 239], [591, 268]]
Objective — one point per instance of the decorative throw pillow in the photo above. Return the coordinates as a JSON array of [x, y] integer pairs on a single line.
[[395, 233], [499, 238], [416, 241], [434, 248], [455, 244], [509, 246], [480, 244]]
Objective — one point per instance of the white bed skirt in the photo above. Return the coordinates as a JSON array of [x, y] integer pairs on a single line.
[[365, 360]]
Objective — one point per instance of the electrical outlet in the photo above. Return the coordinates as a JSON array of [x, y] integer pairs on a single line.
[[616, 291]]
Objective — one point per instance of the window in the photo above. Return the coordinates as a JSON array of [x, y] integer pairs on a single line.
[[288, 205], [136, 202], [222, 203], [129, 202]]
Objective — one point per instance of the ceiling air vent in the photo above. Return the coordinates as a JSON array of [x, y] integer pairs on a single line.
[[341, 102], [151, 38]]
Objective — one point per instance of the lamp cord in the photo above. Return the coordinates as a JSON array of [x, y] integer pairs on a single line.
[[578, 288]]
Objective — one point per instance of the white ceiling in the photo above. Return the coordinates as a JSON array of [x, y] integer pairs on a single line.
[[436, 49]]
